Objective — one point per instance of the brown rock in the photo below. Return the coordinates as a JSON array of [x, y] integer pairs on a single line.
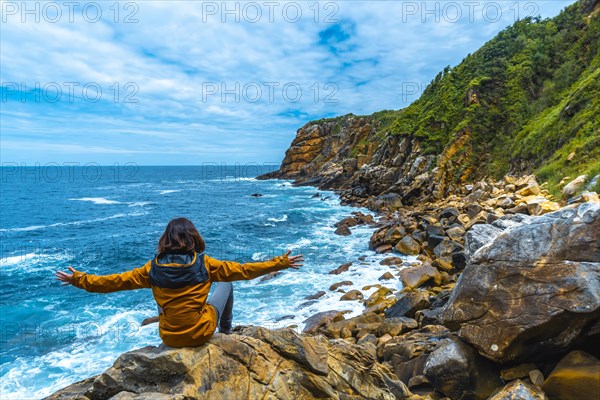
[[352, 295], [576, 377], [256, 364], [413, 343], [377, 297], [531, 189], [408, 246], [458, 371], [343, 230], [391, 261], [319, 320], [340, 284], [384, 248], [408, 304], [516, 372], [341, 268], [456, 233], [315, 296], [386, 277], [542, 298], [414, 277], [574, 185], [536, 377]]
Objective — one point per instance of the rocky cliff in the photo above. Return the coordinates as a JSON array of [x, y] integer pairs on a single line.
[[527, 101]]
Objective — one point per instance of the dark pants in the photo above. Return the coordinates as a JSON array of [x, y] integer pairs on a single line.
[[222, 300]]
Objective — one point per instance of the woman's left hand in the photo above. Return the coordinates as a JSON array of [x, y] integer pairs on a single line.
[[67, 279], [295, 262]]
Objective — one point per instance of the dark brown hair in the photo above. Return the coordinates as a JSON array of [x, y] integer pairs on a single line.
[[180, 236]]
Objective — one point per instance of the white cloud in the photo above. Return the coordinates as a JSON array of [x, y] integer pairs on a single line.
[[174, 51]]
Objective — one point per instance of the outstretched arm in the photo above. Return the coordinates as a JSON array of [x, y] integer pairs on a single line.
[[135, 279], [234, 271]]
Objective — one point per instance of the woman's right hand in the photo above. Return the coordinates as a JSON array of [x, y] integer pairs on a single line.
[[294, 261]]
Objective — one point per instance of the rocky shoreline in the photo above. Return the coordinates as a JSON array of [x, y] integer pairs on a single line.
[[503, 303]]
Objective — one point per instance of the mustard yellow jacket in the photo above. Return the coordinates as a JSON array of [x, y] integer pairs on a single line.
[[186, 319]]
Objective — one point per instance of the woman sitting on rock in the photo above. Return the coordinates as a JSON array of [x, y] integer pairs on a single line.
[[180, 276]]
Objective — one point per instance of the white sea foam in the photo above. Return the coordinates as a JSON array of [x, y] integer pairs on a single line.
[[14, 260], [27, 377], [98, 200], [86, 221], [281, 219], [167, 191]]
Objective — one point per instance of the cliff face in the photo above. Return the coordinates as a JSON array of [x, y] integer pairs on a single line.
[[526, 102], [350, 154]]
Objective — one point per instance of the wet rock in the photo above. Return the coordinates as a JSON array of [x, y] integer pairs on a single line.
[[519, 390], [384, 248], [340, 269], [408, 304], [576, 377], [270, 276], [340, 284], [352, 295], [458, 371], [534, 289], [391, 261], [386, 277], [315, 296], [343, 231], [408, 246]]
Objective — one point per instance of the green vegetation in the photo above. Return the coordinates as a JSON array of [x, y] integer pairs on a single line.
[[529, 98]]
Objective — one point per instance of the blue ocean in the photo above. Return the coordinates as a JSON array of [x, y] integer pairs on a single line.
[[105, 220]]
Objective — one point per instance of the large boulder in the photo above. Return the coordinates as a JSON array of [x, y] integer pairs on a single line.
[[534, 289], [480, 235], [258, 364], [458, 371]]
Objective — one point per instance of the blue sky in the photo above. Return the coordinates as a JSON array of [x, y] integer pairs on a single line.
[[191, 82]]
